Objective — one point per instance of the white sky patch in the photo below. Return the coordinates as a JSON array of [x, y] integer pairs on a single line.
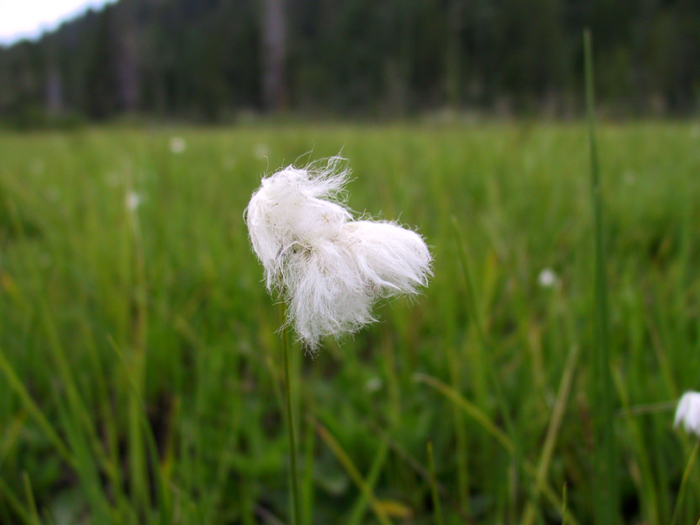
[[30, 18]]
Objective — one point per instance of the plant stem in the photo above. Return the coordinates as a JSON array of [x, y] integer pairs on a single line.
[[296, 519], [605, 480], [684, 483], [433, 486]]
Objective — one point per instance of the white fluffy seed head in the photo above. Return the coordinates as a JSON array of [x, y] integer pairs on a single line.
[[688, 413], [330, 268]]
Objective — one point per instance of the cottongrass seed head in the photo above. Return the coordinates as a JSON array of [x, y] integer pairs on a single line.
[[688, 413], [329, 267]]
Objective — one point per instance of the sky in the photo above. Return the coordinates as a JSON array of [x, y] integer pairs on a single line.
[[29, 18]]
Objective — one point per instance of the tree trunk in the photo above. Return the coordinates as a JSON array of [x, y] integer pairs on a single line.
[[128, 77], [453, 69], [54, 92], [274, 53]]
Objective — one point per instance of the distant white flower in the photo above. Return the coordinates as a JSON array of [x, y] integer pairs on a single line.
[[330, 268], [688, 413], [547, 278], [132, 200], [177, 145], [373, 384], [262, 151]]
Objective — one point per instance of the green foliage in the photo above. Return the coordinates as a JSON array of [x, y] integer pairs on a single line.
[[203, 60], [141, 372]]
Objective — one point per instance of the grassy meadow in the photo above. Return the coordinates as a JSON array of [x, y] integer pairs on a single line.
[[141, 371]]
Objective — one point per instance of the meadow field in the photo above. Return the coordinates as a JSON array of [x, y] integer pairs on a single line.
[[141, 376]]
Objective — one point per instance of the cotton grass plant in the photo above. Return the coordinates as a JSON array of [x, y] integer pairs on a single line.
[[688, 416], [329, 268], [688, 413]]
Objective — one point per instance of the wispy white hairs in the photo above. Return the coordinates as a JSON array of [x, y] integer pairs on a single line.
[[328, 267], [688, 413]]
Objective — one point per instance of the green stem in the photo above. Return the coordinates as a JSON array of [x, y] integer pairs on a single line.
[[606, 500], [684, 482], [290, 432], [485, 348], [433, 486]]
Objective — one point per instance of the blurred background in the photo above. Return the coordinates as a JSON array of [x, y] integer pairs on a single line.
[[222, 60], [141, 377]]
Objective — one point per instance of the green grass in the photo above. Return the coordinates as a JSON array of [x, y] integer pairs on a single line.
[[142, 375], [606, 497]]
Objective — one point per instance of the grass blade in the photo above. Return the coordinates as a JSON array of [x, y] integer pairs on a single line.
[[684, 482], [360, 507], [497, 433], [34, 410], [433, 486], [31, 502], [14, 503], [605, 480], [352, 471], [553, 430], [294, 474], [469, 408]]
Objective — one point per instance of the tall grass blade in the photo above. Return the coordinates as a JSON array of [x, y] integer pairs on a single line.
[[137, 372], [605, 456], [294, 474], [470, 408], [352, 471], [651, 506], [485, 354], [553, 430], [469, 281], [14, 503], [34, 410], [31, 502], [360, 507], [161, 482], [564, 499], [437, 509], [684, 482], [49, 325], [496, 433]]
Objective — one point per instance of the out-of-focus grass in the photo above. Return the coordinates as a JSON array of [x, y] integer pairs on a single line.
[[141, 371]]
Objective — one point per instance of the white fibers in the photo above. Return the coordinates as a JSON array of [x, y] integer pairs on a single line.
[[688, 412], [547, 278], [177, 145], [330, 268], [132, 200]]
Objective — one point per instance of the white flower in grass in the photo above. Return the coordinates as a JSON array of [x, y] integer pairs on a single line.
[[373, 384], [330, 268], [177, 145], [132, 200], [688, 413], [547, 278]]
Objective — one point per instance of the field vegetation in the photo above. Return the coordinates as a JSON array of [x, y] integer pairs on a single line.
[[141, 368]]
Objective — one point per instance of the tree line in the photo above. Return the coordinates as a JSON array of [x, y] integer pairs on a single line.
[[214, 60]]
